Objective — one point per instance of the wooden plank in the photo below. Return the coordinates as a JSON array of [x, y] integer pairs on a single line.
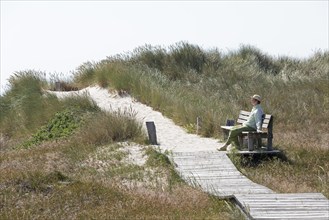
[[284, 206], [219, 181], [242, 112], [301, 201], [214, 155], [197, 154], [296, 217], [267, 116], [200, 167], [247, 152], [205, 173], [214, 174], [186, 163], [192, 165], [243, 117], [208, 166], [213, 178], [229, 193], [289, 196], [275, 205], [294, 206], [239, 121], [200, 160], [226, 127], [256, 134], [282, 215], [201, 154], [266, 121]]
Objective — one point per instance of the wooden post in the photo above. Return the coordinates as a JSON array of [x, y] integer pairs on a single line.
[[151, 132], [197, 124], [250, 142], [270, 135], [58, 86]]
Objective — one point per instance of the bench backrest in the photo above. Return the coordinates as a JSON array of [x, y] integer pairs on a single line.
[[267, 119]]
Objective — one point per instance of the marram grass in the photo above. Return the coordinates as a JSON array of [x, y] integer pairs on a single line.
[[218, 86]]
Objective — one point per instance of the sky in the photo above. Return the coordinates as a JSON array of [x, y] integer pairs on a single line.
[[58, 36]]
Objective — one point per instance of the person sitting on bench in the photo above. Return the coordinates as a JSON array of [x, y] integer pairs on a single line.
[[254, 123]]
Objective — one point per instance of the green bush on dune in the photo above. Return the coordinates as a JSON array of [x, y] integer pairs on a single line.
[[62, 125]]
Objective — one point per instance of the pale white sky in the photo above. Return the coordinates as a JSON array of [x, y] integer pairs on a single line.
[[58, 36]]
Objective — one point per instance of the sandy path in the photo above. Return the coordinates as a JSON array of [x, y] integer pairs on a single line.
[[170, 136]]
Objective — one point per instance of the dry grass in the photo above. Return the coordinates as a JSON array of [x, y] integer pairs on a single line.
[[44, 183], [296, 170], [303, 167]]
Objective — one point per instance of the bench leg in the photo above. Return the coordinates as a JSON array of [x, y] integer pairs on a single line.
[[250, 143], [259, 142], [240, 138], [269, 144], [225, 134]]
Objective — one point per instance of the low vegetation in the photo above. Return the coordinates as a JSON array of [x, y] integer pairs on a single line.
[[66, 158]]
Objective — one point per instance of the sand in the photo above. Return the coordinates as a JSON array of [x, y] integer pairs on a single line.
[[169, 136]]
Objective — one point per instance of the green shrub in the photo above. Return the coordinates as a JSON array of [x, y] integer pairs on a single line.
[[62, 125]]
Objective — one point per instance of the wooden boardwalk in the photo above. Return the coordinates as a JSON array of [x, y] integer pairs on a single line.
[[214, 173]]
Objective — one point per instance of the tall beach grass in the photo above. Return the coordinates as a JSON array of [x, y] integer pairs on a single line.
[[186, 82]]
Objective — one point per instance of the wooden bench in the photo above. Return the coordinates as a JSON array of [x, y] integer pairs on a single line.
[[253, 136]]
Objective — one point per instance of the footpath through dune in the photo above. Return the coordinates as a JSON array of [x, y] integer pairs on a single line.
[[170, 136]]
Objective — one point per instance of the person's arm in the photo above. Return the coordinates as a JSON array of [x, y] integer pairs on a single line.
[[258, 118]]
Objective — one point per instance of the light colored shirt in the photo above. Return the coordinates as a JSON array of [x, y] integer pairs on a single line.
[[255, 118]]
